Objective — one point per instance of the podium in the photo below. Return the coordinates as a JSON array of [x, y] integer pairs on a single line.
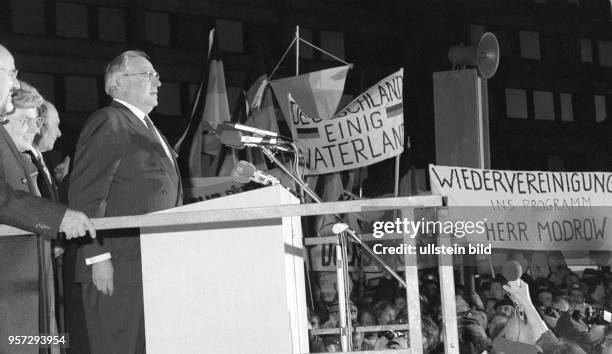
[[227, 287]]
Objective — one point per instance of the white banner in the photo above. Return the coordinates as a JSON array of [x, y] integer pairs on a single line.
[[370, 129], [530, 210]]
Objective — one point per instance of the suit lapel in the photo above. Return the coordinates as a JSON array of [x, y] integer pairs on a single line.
[[178, 172], [137, 124], [20, 160]]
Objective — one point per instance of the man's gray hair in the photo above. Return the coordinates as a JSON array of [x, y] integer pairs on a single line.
[[27, 97], [118, 67], [45, 108]]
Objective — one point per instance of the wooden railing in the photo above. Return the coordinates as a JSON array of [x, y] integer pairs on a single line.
[[405, 204]]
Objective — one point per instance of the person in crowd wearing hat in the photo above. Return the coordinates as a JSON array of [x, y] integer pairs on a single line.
[[575, 294], [334, 315]]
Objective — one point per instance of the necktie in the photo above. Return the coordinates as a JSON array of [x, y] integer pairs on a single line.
[[158, 138], [151, 129], [45, 186]]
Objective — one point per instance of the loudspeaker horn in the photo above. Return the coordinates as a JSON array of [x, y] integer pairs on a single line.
[[483, 55]]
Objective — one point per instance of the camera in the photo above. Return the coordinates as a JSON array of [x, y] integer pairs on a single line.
[[593, 316], [391, 335], [598, 316]]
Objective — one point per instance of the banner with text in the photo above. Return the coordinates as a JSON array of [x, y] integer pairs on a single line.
[[530, 210], [370, 129]]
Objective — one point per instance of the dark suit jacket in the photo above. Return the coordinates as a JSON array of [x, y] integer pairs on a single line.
[[120, 169], [20, 282], [18, 207]]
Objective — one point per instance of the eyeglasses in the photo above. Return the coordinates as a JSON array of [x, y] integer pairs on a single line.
[[12, 72], [149, 74], [38, 121]]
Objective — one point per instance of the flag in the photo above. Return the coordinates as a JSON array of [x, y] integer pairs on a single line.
[[318, 92], [261, 105], [255, 108], [200, 152]]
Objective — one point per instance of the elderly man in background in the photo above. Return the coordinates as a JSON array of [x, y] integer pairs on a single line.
[[72, 306], [44, 142], [28, 301]]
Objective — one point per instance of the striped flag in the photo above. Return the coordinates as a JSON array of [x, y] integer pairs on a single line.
[[199, 152], [307, 133], [395, 110]]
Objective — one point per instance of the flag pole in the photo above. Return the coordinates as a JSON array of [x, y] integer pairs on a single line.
[[397, 173], [297, 50]]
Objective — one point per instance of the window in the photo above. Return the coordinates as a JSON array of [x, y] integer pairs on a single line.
[[28, 16], [567, 109], [77, 26], [600, 108], [516, 103], [543, 104], [586, 52], [605, 53]]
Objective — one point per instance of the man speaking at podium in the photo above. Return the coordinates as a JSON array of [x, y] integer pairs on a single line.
[[123, 166]]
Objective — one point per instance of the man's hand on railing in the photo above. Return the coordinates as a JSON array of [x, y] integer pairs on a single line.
[[76, 224], [102, 276]]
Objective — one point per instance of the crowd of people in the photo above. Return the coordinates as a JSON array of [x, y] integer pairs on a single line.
[[124, 166], [563, 312]]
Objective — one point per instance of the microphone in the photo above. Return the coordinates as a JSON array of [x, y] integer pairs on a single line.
[[512, 271], [244, 128], [244, 172], [219, 128], [238, 140]]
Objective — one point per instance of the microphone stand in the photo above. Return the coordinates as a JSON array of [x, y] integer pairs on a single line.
[[306, 188]]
